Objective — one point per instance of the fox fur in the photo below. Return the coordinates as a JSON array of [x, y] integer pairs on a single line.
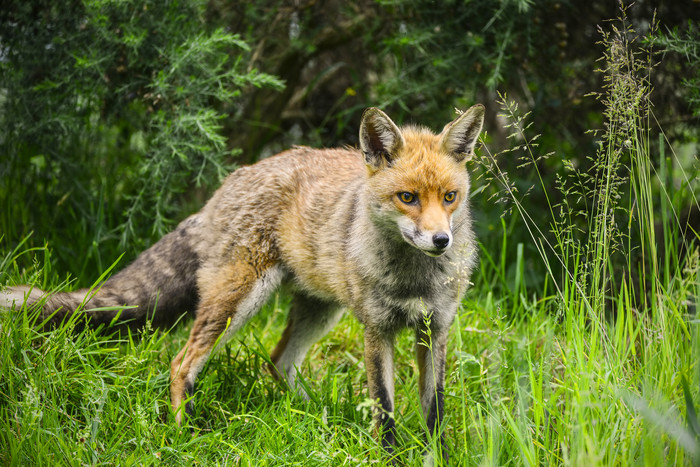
[[384, 231]]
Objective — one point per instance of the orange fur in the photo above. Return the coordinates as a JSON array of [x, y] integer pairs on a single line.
[[384, 231]]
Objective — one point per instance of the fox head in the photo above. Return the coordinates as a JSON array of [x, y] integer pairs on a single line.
[[418, 180]]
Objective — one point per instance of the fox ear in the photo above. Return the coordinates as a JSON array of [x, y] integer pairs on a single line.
[[380, 138], [459, 136]]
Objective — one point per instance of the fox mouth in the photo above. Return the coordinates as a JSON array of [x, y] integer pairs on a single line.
[[430, 251], [434, 253]]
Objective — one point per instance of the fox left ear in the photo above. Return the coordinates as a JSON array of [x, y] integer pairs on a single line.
[[380, 138], [459, 136]]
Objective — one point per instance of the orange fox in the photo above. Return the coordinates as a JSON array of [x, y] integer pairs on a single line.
[[384, 231]]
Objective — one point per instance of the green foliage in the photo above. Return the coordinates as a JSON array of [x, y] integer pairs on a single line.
[[439, 57], [686, 42], [610, 222], [578, 343], [625, 281], [419, 60], [109, 112]]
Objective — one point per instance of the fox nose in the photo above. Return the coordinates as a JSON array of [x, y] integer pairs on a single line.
[[441, 240]]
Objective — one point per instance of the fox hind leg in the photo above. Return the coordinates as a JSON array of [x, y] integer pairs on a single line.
[[309, 320], [229, 297]]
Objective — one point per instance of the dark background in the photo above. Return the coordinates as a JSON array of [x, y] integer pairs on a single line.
[[120, 118]]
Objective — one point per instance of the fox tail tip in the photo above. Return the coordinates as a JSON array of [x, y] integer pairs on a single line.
[[15, 297]]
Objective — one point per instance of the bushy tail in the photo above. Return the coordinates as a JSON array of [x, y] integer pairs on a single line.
[[159, 285]]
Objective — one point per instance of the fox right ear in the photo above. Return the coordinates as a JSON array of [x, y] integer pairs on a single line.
[[380, 138], [459, 136]]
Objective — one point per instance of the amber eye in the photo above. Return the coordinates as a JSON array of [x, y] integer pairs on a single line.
[[407, 197], [449, 197]]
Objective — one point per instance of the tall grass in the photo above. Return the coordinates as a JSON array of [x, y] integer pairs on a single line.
[[627, 339], [597, 366]]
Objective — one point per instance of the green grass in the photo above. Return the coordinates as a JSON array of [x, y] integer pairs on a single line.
[[592, 362], [537, 389]]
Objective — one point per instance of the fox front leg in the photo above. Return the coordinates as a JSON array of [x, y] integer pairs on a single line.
[[379, 362], [431, 352]]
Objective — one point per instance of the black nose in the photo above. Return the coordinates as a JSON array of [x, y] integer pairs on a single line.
[[441, 240]]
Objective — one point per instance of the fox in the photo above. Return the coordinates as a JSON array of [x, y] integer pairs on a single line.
[[384, 230]]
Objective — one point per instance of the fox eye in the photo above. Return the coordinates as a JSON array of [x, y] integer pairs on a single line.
[[407, 197], [449, 197]]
